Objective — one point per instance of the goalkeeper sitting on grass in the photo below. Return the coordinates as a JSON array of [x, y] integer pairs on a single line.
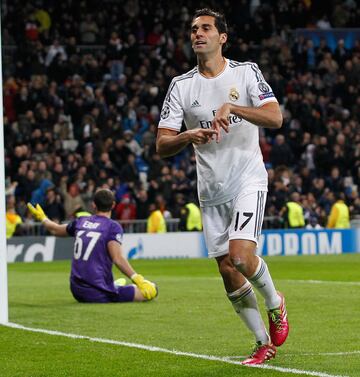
[[98, 245]]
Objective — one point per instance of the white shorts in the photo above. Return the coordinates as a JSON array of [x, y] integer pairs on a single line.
[[240, 218]]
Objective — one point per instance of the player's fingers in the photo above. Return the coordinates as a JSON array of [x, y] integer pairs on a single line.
[[31, 208], [224, 124], [225, 128], [218, 137], [216, 127], [210, 132], [209, 135]]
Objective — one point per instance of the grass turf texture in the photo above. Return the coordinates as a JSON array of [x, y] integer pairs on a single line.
[[191, 314]]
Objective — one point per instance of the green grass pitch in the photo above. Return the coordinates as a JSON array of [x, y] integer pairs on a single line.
[[191, 315]]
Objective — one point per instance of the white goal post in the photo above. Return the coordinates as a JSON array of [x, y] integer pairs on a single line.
[[4, 309]]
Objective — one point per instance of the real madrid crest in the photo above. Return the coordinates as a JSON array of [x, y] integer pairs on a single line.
[[234, 94]]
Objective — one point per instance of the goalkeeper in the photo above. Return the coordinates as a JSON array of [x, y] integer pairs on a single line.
[[98, 245]]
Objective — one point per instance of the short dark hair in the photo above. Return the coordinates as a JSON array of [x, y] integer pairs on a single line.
[[220, 21], [104, 200]]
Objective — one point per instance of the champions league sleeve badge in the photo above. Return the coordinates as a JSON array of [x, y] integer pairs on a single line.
[[265, 91], [165, 112], [233, 95], [263, 87]]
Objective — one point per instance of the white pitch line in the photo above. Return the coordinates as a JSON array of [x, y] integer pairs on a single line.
[[330, 353], [321, 282], [348, 353], [164, 350], [326, 282]]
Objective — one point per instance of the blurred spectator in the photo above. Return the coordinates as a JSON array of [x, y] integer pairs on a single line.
[[88, 30], [126, 209], [13, 220], [88, 194], [119, 153], [181, 183], [313, 223], [72, 197], [162, 205], [265, 149], [280, 153], [32, 28], [38, 196], [55, 50], [27, 184], [156, 221], [323, 23], [129, 171], [322, 157], [335, 182], [162, 184], [131, 143], [339, 217], [53, 206], [190, 218], [142, 204], [44, 19], [115, 54], [293, 212]]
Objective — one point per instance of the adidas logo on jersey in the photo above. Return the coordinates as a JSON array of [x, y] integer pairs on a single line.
[[195, 104]]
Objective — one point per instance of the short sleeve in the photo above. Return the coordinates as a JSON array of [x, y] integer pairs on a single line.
[[71, 228], [259, 90], [172, 113], [116, 233]]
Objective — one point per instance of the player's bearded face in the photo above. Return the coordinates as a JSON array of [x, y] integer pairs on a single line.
[[205, 37]]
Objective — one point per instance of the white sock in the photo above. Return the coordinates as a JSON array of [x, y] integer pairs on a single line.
[[245, 304], [263, 282]]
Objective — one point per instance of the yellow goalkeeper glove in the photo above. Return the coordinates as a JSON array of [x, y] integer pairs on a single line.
[[147, 288], [37, 212]]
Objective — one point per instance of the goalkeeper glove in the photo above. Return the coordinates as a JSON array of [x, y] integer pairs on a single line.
[[146, 287], [37, 212]]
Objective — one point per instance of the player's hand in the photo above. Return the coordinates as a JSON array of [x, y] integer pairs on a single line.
[[201, 135], [146, 287], [221, 120], [37, 212]]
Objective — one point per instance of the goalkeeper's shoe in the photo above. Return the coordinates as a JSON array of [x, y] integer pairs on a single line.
[[260, 354], [278, 323]]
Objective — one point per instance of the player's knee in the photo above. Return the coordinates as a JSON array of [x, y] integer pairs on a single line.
[[226, 270], [239, 262]]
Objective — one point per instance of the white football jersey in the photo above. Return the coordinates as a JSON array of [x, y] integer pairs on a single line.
[[235, 163]]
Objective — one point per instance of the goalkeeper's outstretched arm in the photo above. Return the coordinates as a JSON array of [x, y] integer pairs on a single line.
[[38, 213], [147, 289]]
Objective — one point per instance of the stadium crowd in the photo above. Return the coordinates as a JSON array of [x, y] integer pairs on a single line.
[[84, 87]]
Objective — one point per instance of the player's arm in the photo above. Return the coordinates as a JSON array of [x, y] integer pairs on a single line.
[[146, 287], [268, 115], [116, 255], [58, 230], [170, 142]]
